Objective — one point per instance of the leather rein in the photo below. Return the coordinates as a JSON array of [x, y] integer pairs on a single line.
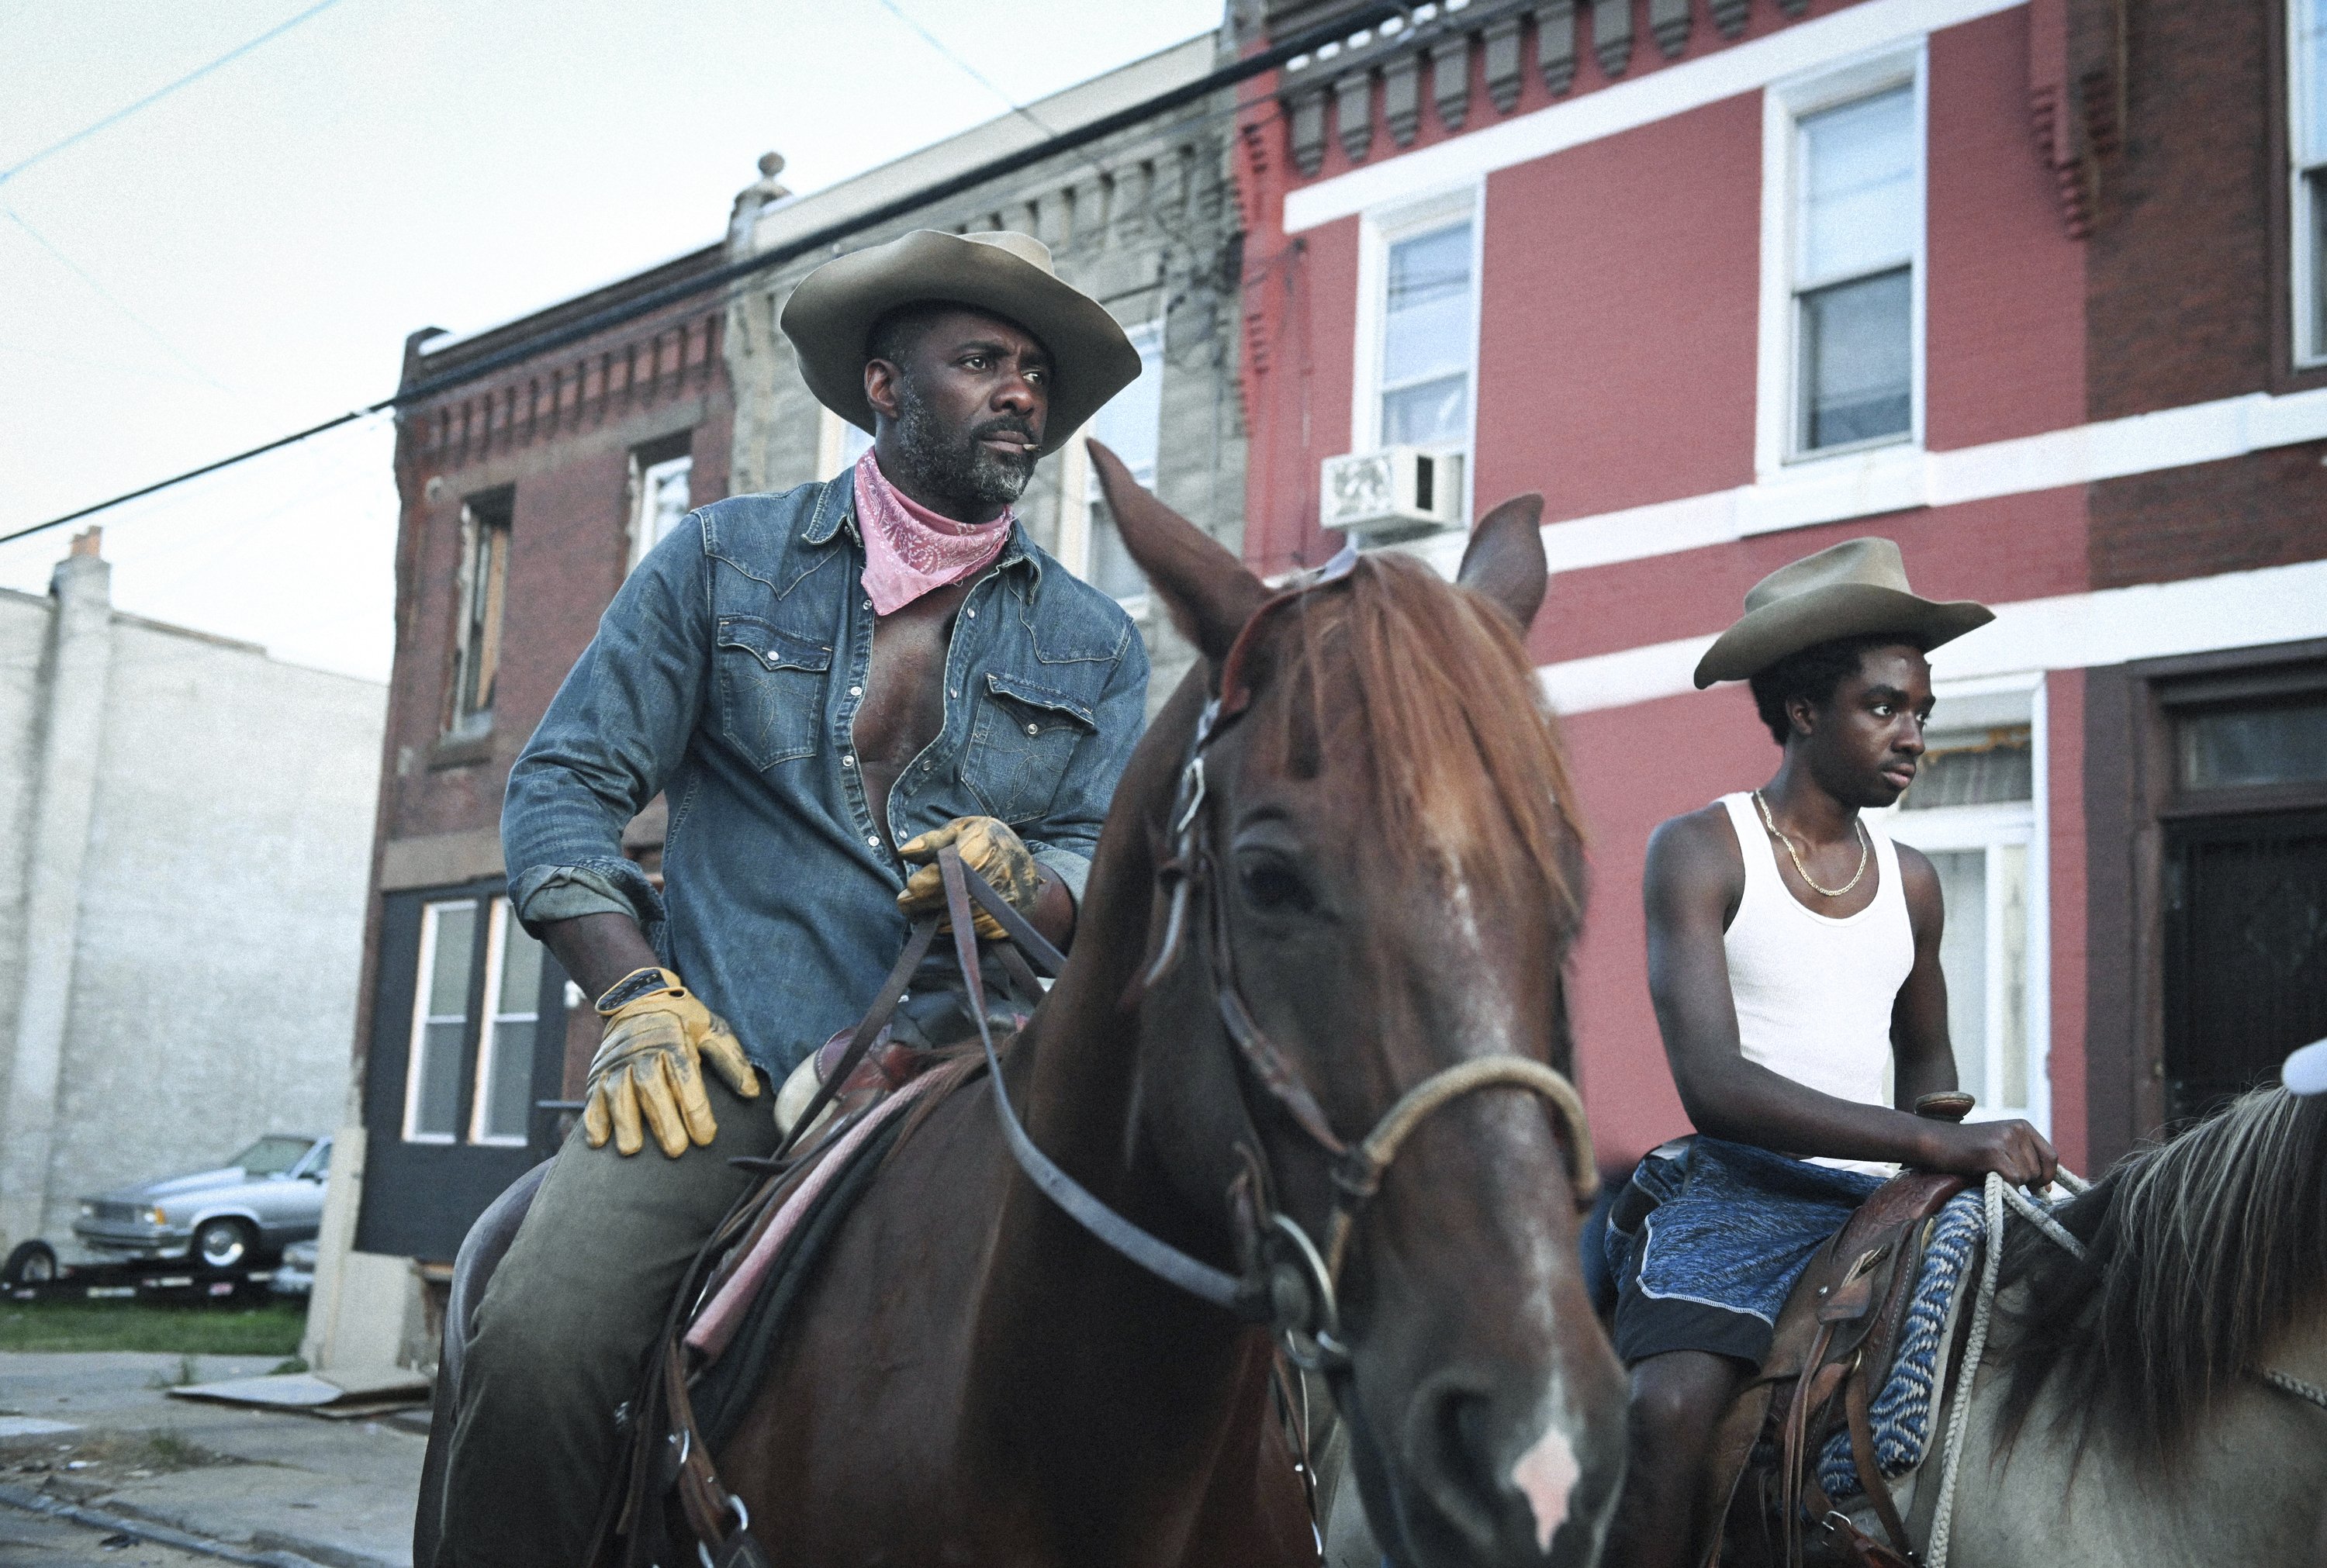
[[1287, 1280]]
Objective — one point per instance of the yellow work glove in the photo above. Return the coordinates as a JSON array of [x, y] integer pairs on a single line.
[[989, 848], [650, 1064]]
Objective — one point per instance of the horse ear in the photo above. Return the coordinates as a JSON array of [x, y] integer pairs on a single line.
[[1504, 560], [1208, 590]]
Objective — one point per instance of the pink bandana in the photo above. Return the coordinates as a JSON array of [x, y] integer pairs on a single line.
[[909, 550]]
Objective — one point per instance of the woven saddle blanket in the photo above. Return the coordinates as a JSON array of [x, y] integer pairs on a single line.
[[1904, 1413]]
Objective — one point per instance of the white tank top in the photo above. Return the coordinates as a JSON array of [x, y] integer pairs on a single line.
[[1814, 993]]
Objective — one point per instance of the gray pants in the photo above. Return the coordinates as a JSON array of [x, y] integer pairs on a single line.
[[564, 1332]]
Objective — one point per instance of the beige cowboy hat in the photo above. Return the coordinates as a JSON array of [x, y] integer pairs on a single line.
[[833, 311], [1853, 589]]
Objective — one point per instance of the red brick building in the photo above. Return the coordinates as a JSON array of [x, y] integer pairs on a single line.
[[528, 490], [2032, 287]]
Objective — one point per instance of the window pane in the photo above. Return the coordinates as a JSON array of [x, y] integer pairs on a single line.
[[1963, 958], [2314, 189], [1858, 187], [2311, 103], [1426, 318], [2282, 744], [510, 1090], [520, 966], [271, 1156], [439, 1097], [665, 496], [1972, 769], [1429, 414], [448, 979], [1132, 423], [1857, 360], [1112, 570], [2012, 871]]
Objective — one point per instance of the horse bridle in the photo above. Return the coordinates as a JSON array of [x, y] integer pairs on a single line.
[[1288, 1281]]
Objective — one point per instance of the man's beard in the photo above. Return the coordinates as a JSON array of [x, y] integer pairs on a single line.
[[960, 470]]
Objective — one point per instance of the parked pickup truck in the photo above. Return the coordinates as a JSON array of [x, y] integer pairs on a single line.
[[245, 1211]]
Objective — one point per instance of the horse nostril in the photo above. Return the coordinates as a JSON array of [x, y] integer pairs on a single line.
[[1448, 1449]]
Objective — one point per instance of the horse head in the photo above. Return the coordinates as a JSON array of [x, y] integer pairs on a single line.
[[1368, 876]]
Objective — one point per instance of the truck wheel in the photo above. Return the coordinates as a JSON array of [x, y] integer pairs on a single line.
[[221, 1244], [31, 1262]]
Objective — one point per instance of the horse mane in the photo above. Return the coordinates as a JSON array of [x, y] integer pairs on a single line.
[[2199, 1253], [1466, 764]]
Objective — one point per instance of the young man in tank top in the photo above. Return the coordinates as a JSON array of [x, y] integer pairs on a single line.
[[1793, 955]]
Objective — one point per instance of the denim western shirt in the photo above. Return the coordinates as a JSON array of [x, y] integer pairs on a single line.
[[727, 675]]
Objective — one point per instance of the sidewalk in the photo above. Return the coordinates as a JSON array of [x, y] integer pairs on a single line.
[[338, 1493]]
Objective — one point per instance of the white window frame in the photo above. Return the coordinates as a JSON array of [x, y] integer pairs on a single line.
[[2003, 700], [466, 719], [2304, 274], [1380, 228], [643, 489], [1078, 488], [489, 1032], [1784, 105], [423, 984]]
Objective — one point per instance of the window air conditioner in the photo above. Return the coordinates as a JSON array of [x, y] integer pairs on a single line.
[[1396, 491]]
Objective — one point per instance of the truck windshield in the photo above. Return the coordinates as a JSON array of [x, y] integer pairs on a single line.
[[272, 1156]]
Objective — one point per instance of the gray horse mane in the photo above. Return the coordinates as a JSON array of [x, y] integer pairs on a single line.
[[2202, 1252]]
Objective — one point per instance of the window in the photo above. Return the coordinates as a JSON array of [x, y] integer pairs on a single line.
[[504, 1098], [661, 493], [838, 444], [1428, 336], [1972, 811], [1857, 227], [2307, 141], [1132, 426], [457, 936], [483, 585], [2255, 743], [440, 1020]]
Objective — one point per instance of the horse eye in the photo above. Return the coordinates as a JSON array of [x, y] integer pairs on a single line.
[[1269, 883]]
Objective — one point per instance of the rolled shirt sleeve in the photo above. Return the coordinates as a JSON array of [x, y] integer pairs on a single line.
[[614, 734]]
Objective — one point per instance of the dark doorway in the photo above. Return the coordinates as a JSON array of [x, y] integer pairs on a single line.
[[2246, 951]]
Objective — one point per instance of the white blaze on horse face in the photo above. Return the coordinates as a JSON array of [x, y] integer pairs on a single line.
[[1545, 1475]]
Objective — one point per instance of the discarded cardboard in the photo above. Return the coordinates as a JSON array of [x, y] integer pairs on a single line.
[[338, 1394]]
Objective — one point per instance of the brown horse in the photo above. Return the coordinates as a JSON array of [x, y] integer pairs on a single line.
[[972, 1377], [1335, 894]]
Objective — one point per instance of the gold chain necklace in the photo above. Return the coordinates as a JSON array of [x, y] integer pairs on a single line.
[[1866, 848]]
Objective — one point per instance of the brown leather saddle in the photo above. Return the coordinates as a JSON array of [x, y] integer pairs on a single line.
[[1830, 1357]]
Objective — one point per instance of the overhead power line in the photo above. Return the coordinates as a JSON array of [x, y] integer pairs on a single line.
[[159, 93], [717, 278]]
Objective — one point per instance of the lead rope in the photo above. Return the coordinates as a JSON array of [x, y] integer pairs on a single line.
[[1998, 1192]]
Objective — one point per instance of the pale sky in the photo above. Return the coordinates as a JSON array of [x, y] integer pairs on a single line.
[[244, 257]]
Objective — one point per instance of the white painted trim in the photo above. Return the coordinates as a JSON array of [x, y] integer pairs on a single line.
[[489, 1026], [2302, 274], [2069, 631], [1725, 73], [1902, 478]]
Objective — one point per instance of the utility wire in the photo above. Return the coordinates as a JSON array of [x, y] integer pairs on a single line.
[[776, 256], [159, 93], [978, 76], [99, 289]]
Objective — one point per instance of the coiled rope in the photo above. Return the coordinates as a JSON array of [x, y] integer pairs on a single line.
[[1999, 1194]]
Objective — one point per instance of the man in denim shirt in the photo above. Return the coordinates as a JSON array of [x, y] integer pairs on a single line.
[[826, 684]]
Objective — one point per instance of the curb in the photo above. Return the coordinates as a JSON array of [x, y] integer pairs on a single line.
[[159, 1534]]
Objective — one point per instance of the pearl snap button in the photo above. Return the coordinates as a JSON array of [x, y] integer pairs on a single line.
[[1033, 731], [856, 691], [873, 840], [846, 761]]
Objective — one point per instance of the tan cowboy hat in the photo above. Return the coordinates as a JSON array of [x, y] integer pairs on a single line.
[[833, 311], [1853, 589]]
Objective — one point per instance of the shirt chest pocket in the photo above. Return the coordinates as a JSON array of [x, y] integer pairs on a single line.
[[1020, 744], [771, 690]]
